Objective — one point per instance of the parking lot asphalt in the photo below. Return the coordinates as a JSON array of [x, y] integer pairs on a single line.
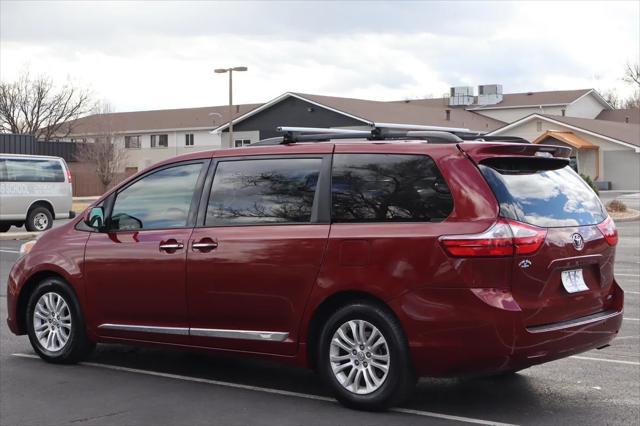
[[147, 386]]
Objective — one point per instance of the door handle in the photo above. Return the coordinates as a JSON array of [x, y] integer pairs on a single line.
[[205, 244], [172, 246]]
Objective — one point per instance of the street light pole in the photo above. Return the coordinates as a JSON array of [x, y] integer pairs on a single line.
[[230, 71]]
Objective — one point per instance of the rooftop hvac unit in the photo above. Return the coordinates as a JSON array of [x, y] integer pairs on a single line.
[[462, 95], [489, 94]]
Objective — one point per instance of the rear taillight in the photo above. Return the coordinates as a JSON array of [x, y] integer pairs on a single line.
[[608, 229], [66, 167], [503, 238]]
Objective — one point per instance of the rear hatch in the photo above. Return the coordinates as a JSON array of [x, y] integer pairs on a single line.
[[570, 275]]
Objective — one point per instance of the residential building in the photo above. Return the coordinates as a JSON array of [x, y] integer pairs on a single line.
[[607, 151]]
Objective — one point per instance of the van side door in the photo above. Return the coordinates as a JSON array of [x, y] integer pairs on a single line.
[[254, 257]]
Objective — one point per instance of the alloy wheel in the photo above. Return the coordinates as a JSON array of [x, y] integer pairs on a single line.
[[359, 357], [52, 322]]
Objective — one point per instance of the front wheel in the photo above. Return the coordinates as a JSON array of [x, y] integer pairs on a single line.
[[364, 357], [55, 325], [4, 227]]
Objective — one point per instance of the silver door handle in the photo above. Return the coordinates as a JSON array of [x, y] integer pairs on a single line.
[[204, 246], [171, 246]]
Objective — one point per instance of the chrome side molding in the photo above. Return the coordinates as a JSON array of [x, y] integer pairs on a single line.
[[269, 336], [182, 331]]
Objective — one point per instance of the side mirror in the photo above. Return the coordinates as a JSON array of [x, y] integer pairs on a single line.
[[95, 218]]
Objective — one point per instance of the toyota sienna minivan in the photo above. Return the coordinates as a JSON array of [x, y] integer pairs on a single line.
[[374, 262]]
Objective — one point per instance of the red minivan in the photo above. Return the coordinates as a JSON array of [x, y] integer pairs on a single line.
[[374, 262]]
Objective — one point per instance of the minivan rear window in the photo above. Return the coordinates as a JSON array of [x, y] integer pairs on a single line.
[[30, 170], [544, 193]]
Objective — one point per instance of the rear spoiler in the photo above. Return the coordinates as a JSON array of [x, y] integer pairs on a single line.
[[479, 151]]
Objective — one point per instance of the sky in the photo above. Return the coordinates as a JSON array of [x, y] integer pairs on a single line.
[[157, 55]]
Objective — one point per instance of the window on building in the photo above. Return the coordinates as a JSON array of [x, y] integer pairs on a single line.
[[539, 126], [242, 142], [252, 192], [188, 139], [388, 188], [159, 141], [132, 142]]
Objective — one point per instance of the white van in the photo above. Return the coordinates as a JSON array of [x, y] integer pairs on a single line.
[[34, 190]]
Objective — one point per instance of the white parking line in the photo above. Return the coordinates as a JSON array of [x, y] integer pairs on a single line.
[[626, 275], [9, 251], [631, 292], [615, 361], [631, 319], [273, 391]]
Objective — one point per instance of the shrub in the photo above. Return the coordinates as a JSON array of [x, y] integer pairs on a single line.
[[616, 206], [590, 182]]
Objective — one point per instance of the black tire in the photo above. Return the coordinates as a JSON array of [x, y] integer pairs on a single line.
[[400, 379], [34, 217], [4, 227], [78, 346]]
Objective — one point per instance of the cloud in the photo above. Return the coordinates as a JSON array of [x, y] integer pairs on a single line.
[[161, 54]]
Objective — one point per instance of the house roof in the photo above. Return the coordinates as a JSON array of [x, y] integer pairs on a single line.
[[624, 133], [515, 100], [370, 112], [621, 115], [166, 119], [569, 138]]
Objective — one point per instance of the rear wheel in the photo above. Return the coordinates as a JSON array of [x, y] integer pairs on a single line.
[[363, 356], [39, 219], [55, 325], [4, 227]]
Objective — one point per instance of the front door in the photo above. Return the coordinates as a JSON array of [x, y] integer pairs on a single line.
[[136, 269], [254, 259]]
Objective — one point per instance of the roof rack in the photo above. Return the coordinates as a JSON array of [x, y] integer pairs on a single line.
[[382, 131]]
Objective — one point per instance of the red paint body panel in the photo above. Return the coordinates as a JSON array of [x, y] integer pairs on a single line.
[[460, 315], [134, 282], [258, 278]]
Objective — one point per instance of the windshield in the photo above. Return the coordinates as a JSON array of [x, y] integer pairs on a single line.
[[543, 196]]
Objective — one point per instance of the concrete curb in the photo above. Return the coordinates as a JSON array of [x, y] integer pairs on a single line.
[[18, 236]]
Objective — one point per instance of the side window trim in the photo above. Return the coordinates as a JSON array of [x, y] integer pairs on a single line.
[[195, 199], [320, 211]]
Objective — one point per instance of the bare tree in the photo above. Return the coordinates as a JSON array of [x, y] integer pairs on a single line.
[[104, 152], [611, 96], [632, 74], [37, 107]]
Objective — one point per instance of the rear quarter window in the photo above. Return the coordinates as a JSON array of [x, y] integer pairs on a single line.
[[388, 188], [543, 193]]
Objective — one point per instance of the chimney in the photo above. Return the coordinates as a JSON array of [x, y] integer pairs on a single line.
[[448, 114], [564, 112], [237, 109], [626, 119]]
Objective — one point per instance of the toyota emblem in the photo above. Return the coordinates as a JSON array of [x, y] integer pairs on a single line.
[[578, 241]]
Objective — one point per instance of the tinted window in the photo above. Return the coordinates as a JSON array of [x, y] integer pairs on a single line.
[[543, 193], [388, 188], [159, 200], [263, 191], [24, 170]]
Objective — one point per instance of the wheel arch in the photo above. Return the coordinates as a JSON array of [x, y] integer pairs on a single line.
[[328, 306], [42, 203]]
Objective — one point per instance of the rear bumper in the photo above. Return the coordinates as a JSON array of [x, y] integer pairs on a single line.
[[453, 332]]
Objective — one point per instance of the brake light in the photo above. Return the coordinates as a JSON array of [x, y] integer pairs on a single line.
[[503, 238], [608, 229], [68, 170]]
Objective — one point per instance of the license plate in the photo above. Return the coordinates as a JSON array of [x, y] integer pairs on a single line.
[[573, 281]]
